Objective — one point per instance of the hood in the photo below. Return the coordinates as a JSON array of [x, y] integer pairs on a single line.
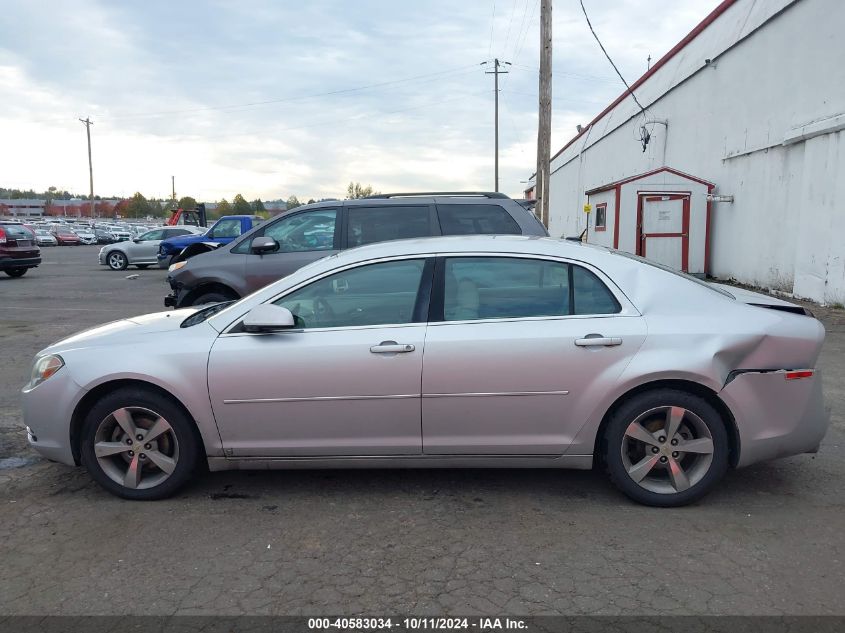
[[759, 299], [125, 329]]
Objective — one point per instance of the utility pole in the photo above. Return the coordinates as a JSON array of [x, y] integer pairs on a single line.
[[496, 72], [544, 128], [88, 123], [173, 187]]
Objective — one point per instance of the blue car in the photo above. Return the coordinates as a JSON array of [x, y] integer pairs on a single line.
[[221, 232]]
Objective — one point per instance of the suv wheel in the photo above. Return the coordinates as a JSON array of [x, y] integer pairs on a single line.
[[15, 272], [212, 296], [117, 260]]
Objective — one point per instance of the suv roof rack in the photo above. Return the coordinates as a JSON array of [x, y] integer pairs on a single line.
[[455, 194]]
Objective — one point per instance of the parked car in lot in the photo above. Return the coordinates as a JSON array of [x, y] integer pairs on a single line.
[[538, 353], [140, 251], [86, 235], [66, 236], [289, 241], [221, 232], [18, 249], [43, 237], [104, 237]]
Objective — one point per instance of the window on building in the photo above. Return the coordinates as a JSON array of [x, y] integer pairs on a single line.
[[601, 216]]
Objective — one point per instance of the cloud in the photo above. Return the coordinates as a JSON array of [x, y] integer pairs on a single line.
[[271, 99]]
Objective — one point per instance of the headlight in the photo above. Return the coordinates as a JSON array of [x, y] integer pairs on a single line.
[[174, 267], [45, 367]]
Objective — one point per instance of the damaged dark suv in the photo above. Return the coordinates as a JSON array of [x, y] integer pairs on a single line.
[[288, 242]]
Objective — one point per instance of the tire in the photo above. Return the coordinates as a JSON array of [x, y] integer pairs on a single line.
[[16, 272], [212, 296], [142, 266], [117, 260], [645, 459], [176, 447]]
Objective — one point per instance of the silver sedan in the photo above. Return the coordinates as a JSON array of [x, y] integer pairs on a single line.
[[141, 251], [443, 352]]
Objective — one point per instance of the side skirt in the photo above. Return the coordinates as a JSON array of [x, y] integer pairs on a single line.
[[578, 462]]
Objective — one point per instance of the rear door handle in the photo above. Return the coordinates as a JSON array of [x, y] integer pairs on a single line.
[[594, 340], [392, 347]]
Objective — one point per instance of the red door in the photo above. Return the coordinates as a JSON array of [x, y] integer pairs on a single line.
[[663, 228]]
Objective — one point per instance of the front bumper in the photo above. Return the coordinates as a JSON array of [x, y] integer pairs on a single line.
[[776, 417], [177, 295], [47, 411]]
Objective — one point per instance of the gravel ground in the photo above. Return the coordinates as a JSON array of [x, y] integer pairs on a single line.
[[768, 541]]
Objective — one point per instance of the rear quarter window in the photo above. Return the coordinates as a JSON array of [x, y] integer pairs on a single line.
[[476, 219]]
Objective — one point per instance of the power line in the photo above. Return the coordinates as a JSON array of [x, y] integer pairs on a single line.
[[609, 59], [452, 71]]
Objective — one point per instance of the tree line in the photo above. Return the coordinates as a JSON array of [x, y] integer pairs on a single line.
[[138, 206]]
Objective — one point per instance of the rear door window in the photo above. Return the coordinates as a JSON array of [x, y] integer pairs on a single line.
[[476, 219], [367, 225]]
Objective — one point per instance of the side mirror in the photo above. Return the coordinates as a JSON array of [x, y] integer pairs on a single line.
[[137, 240], [268, 318], [261, 245]]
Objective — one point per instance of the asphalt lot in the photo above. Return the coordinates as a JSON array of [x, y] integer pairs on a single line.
[[768, 541]]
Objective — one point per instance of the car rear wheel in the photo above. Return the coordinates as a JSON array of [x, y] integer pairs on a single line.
[[15, 272], [117, 260], [139, 445], [666, 448]]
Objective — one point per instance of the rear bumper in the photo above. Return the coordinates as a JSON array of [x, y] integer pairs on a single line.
[[776, 417], [19, 262]]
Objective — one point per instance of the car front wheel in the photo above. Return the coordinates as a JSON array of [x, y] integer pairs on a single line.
[[666, 448], [117, 260], [139, 445], [15, 272]]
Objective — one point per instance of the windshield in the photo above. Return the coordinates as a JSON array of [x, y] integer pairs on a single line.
[[205, 313]]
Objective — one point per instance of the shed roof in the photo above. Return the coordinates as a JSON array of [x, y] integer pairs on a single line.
[[615, 183]]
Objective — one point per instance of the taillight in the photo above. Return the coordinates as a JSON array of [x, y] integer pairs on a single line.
[[803, 373], [2, 236]]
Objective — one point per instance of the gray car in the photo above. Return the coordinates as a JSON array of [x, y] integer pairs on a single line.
[[142, 250], [295, 239], [538, 353]]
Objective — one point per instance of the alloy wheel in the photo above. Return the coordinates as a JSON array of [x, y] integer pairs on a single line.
[[117, 261], [136, 447], [667, 450]]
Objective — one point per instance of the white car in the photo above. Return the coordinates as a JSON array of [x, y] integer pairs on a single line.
[[142, 250], [45, 238], [86, 235]]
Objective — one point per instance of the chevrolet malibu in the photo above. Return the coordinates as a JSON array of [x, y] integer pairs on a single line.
[[487, 351]]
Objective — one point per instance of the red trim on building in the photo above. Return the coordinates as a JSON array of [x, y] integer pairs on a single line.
[[616, 212], [617, 183], [657, 66]]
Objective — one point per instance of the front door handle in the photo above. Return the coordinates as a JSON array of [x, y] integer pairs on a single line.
[[597, 340], [392, 347]]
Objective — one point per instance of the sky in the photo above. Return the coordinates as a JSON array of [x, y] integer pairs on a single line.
[[272, 98]]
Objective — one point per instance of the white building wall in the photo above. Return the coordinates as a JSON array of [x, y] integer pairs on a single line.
[[776, 67]]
